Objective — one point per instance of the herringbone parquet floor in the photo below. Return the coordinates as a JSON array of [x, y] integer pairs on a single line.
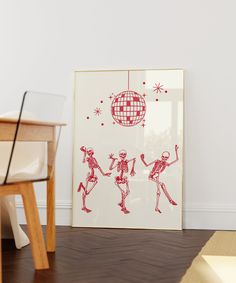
[[109, 256]]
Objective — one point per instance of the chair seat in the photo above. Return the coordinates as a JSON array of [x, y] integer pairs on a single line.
[[29, 161], [21, 176]]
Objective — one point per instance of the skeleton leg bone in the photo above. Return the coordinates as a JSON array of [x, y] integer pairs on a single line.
[[121, 204], [84, 208], [85, 193], [126, 193], [81, 186], [123, 197], [158, 198], [94, 184], [163, 186]]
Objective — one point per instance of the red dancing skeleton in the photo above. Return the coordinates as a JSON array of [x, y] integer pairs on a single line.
[[158, 168], [91, 177], [122, 181]]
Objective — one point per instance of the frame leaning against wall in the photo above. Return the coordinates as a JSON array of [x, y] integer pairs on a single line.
[[128, 149]]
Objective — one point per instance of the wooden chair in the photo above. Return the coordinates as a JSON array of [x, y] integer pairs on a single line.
[[41, 128], [26, 191]]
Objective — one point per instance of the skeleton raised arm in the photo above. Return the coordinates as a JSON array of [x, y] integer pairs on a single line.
[[144, 162], [113, 159], [83, 149], [176, 154]]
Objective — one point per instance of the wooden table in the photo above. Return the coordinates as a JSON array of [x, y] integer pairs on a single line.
[[42, 132]]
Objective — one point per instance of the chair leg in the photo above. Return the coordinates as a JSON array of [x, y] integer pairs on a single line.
[[35, 230]]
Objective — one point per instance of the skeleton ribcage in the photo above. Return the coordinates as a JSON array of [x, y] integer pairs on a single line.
[[158, 167], [122, 165], [92, 163]]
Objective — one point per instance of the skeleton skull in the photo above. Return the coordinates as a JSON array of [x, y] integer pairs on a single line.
[[122, 154], [165, 155], [90, 151]]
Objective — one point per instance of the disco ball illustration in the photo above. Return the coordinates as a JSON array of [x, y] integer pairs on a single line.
[[128, 108]]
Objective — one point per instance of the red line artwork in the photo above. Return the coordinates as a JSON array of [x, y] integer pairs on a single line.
[[97, 111], [158, 88], [91, 177], [158, 167], [121, 181], [128, 108]]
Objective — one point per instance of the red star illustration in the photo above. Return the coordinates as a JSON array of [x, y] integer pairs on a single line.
[[143, 125], [97, 111], [158, 88]]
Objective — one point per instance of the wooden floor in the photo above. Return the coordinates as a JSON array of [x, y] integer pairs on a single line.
[[108, 256]]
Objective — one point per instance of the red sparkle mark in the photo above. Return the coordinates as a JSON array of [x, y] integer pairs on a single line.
[[143, 125], [158, 88], [97, 111]]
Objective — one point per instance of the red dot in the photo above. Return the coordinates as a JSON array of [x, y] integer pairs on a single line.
[[87, 117]]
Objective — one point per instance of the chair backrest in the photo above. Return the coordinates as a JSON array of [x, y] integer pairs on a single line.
[[25, 136]]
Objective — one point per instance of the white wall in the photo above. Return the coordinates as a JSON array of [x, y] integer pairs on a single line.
[[43, 42]]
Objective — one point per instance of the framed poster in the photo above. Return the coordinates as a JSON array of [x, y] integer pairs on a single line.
[[128, 149]]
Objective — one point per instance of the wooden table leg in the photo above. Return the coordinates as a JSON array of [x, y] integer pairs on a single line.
[[51, 229], [34, 226]]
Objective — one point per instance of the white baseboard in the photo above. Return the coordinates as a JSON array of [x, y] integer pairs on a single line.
[[214, 216], [63, 212], [195, 216]]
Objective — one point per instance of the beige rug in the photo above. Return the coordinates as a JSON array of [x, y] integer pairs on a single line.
[[216, 263]]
